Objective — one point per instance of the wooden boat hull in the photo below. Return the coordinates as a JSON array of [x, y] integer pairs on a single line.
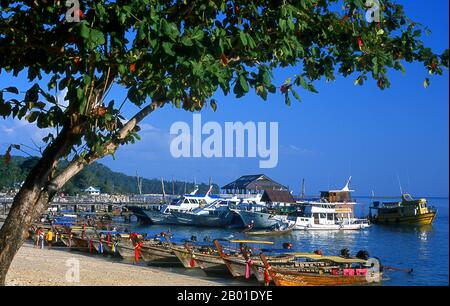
[[80, 244], [185, 257], [159, 255], [67, 242], [211, 264], [292, 278], [107, 249], [125, 251], [421, 219], [235, 266]]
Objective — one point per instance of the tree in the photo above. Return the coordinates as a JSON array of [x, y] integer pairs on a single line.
[[173, 52]]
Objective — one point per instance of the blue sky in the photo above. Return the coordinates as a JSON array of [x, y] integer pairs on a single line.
[[344, 130]]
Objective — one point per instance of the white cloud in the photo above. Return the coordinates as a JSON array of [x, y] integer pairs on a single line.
[[15, 131]]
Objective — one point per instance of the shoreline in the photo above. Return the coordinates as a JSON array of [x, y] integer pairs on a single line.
[[43, 267]]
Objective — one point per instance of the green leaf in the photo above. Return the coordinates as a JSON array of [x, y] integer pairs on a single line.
[[84, 30], [187, 41], [243, 38], [295, 94], [97, 37], [11, 89], [282, 25], [243, 82], [170, 29], [31, 117], [197, 35], [167, 46]]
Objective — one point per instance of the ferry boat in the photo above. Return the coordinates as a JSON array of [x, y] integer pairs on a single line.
[[258, 215], [407, 211], [333, 211], [186, 203], [216, 214]]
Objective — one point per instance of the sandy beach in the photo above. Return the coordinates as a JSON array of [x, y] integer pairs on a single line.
[[38, 267]]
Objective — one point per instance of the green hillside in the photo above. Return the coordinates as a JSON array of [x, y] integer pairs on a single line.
[[96, 175]]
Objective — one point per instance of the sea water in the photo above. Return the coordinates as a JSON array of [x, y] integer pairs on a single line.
[[421, 248]]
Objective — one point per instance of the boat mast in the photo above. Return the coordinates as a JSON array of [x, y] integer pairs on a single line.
[[302, 192], [399, 184], [139, 183], [163, 191], [173, 186]]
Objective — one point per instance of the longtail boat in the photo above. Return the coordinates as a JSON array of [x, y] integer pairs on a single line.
[[240, 264], [211, 263], [341, 273], [158, 253]]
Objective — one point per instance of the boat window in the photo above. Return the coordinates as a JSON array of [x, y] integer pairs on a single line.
[[186, 201], [323, 216], [330, 217]]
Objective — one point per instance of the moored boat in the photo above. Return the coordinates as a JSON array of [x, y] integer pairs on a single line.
[[406, 211], [216, 214], [276, 231], [334, 210], [343, 272], [186, 203], [159, 253]]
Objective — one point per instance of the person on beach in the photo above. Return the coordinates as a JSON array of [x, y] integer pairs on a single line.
[[37, 237], [49, 238], [41, 237]]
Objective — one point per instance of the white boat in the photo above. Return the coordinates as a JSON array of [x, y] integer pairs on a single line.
[[186, 203], [216, 214], [333, 211], [257, 214]]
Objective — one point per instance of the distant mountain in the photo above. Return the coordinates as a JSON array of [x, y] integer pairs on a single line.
[[96, 175]]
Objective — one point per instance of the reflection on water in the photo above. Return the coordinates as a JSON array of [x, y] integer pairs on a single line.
[[423, 248]]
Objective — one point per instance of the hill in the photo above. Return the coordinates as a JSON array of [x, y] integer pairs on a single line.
[[97, 175]]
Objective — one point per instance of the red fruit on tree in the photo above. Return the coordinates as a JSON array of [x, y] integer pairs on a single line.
[[223, 60], [360, 42], [132, 68], [101, 111], [80, 13], [380, 83], [283, 89]]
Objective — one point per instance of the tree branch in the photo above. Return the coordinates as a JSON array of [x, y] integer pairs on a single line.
[[78, 164]]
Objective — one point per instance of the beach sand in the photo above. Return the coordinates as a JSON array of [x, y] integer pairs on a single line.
[[36, 267]]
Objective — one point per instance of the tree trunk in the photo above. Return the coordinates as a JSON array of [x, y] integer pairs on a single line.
[[40, 187], [31, 200]]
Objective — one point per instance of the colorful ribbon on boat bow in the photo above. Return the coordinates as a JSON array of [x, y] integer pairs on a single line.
[[192, 262], [248, 263], [266, 276], [100, 246], [90, 246]]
